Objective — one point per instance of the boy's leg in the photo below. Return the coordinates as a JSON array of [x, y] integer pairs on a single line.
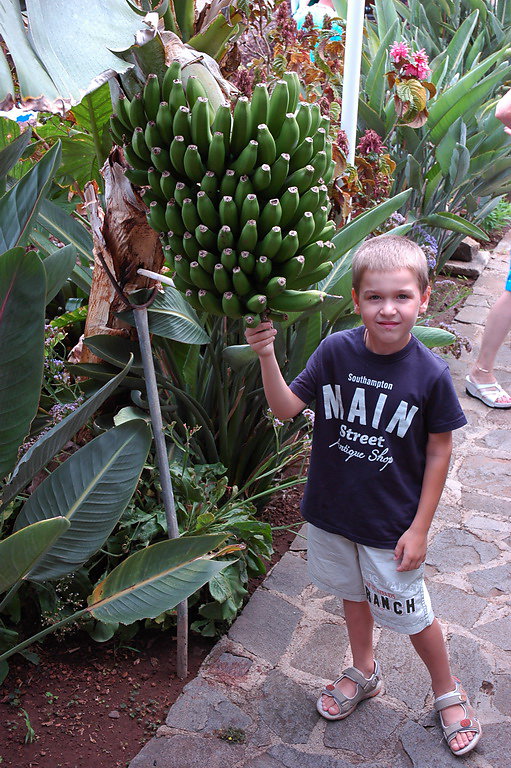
[[430, 646], [359, 622]]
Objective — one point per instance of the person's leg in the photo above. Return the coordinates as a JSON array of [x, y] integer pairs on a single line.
[[430, 646], [498, 325], [359, 622]]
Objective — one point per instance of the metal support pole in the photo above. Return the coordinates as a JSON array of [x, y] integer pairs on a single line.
[[142, 325], [351, 76]]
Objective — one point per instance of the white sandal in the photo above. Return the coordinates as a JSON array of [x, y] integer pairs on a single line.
[[486, 393]]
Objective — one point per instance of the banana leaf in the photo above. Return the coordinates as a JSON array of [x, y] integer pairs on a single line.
[[10, 155], [49, 445], [91, 489], [58, 267], [172, 317], [20, 551], [22, 303], [66, 228]]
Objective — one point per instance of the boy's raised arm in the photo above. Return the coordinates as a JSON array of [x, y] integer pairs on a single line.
[[282, 401]]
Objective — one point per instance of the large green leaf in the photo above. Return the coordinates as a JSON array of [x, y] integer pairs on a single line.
[[20, 551], [91, 489], [358, 229], [66, 228], [47, 446], [433, 337], [10, 155], [115, 349], [375, 82], [58, 267], [156, 579], [172, 317], [454, 223], [458, 45], [21, 203], [22, 303]]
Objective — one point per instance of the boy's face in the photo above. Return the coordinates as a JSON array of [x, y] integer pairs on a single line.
[[389, 303]]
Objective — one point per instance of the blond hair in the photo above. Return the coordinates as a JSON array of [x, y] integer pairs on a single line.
[[388, 253]]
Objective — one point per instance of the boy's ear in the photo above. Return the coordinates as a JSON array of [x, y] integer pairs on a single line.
[[355, 301], [425, 299]]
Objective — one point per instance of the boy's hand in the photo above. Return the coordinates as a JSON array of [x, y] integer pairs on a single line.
[[261, 338], [411, 550]]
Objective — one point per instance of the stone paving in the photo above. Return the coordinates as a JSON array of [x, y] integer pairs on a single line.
[[262, 679]]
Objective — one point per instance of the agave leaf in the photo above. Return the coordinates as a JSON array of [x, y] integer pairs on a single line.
[[20, 551], [47, 446], [20, 204], [454, 223], [156, 579], [22, 303], [91, 489]]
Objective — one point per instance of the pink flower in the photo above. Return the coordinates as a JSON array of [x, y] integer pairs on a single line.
[[370, 142], [421, 57], [411, 70], [399, 51]]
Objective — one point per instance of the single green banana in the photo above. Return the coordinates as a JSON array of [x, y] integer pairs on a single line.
[[259, 105], [181, 284], [205, 237], [168, 257], [302, 155], [289, 203], [313, 255], [192, 298], [240, 127], [181, 193], [200, 278], [222, 279], [168, 184], [189, 214], [149, 197], [160, 159], [319, 164], [288, 248], [256, 303], [156, 217], [304, 119], [174, 240], [270, 217], [262, 269], [309, 201], [293, 85], [181, 125], [262, 178], [278, 107], [270, 244], [201, 130], [225, 238], [266, 148], [247, 159], [139, 145], [207, 212], [121, 108], [303, 178], [118, 131], [249, 210], [136, 176], [242, 284], [320, 221], [182, 267], [222, 123], [328, 231], [228, 183], [291, 269], [191, 246], [315, 113], [154, 179], [252, 321], [305, 228], [323, 195], [164, 123], [194, 90], [134, 160], [152, 96], [231, 305], [249, 236], [275, 285], [194, 167], [228, 259], [210, 301], [243, 189], [304, 281], [209, 184], [289, 135], [247, 262], [207, 260], [319, 141], [324, 123], [173, 218], [173, 73], [216, 154], [152, 135], [136, 111], [229, 214], [279, 172], [329, 173], [297, 301]]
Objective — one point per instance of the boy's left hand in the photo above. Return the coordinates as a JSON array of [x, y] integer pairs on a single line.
[[411, 550]]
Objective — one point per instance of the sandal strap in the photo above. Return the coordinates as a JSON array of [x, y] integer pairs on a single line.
[[365, 685], [457, 696], [466, 725]]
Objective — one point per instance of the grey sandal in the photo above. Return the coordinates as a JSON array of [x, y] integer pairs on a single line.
[[469, 723], [366, 688]]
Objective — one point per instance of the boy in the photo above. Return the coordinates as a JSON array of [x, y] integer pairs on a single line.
[[385, 409]]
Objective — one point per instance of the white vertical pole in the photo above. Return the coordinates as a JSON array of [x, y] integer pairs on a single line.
[[351, 77]]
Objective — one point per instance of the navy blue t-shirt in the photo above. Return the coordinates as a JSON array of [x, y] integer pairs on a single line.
[[373, 416]]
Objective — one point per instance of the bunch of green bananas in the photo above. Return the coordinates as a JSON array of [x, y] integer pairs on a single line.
[[240, 199]]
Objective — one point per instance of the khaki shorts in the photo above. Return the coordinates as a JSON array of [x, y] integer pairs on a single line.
[[398, 599]]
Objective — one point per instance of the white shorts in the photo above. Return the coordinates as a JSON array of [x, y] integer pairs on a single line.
[[398, 599]]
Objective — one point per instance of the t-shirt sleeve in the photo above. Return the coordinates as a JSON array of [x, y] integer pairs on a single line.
[[304, 386], [444, 412]]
